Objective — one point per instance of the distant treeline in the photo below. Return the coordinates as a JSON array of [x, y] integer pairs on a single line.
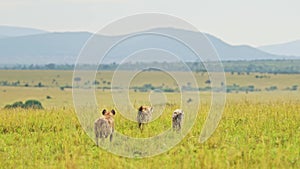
[[260, 66]]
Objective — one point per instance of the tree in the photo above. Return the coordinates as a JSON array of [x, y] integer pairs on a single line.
[[77, 79], [34, 104], [294, 87], [207, 82], [50, 66], [40, 84]]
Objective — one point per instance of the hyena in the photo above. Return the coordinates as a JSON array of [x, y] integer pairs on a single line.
[[104, 126], [144, 115], [177, 119]]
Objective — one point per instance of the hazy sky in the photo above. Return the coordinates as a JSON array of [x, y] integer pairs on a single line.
[[252, 22]]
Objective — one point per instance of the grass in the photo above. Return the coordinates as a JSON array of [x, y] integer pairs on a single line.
[[57, 78], [249, 136], [257, 130]]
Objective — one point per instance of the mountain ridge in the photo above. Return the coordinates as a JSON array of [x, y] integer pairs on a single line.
[[291, 48], [14, 31], [64, 47]]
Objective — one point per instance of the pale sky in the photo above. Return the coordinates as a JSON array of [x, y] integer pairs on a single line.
[[251, 22]]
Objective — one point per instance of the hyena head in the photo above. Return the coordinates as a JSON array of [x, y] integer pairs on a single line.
[[146, 109], [108, 114], [178, 115]]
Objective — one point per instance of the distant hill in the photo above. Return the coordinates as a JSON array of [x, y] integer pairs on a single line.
[[241, 52], [59, 48], [64, 47], [11, 31], [289, 48]]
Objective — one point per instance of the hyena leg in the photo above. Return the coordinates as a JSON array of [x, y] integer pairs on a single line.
[[96, 137], [140, 125], [102, 136], [111, 137], [179, 129]]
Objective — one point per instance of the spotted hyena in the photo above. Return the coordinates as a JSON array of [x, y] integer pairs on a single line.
[[104, 126], [144, 115], [177, 119]]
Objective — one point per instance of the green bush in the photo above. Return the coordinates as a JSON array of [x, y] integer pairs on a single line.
[[271, 88], [29, 104], [17, 104], [34, 104], [8, 106]]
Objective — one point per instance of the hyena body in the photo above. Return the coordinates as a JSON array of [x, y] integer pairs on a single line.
[[144, 115], [177, 119], [104, 126]]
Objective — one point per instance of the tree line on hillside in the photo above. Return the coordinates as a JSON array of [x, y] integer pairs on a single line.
[[258, 66]]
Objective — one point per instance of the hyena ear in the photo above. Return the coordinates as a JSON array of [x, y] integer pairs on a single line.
[[151, 109], [103, 111], [141, 108], [113, 111]]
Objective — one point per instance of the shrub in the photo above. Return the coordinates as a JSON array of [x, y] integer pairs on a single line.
[[294, 87], [207, 82], [40, 85], [96, 82], [17, 104], [77, 79], [34, 104], [271, 88], [169, 90], [8, 106]]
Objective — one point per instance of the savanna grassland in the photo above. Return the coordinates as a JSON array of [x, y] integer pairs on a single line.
[[259, 129]]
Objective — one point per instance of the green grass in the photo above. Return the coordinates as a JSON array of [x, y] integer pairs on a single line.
[[257, 130], [249, 136], [57, 78]]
